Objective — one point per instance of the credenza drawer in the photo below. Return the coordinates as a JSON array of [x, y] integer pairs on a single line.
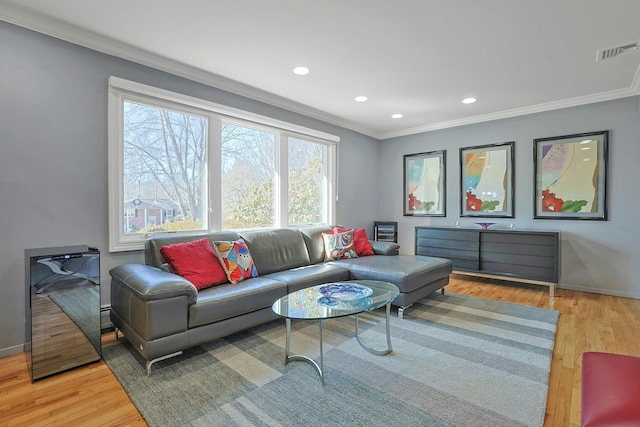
[[447, 253], [521, 238], [510, 248], [466, 245], [516, 259], [447, 234], [520, 271], [465, 264]]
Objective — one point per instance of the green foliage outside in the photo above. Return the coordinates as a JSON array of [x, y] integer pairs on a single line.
[[305, 193], [305, 204]]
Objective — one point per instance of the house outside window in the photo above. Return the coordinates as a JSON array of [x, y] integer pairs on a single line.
[[181, 164]]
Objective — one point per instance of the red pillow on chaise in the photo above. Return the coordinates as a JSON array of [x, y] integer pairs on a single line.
[[363, 247], [196, 261]]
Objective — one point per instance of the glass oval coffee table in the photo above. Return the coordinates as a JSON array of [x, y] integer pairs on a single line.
[[332, 300]]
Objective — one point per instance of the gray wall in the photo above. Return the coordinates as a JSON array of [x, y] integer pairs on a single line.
[[597, 256], [53, 156]]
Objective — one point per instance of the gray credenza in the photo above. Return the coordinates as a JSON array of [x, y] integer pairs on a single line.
[[519, 255]]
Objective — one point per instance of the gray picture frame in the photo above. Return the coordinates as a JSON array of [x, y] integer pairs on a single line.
[[487, 181]]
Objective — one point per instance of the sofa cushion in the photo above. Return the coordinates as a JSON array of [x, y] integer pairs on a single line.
[[233, 299], [196, 261], [312, 235], [236, 260], [362, 245], [339, 246], [276, 249], [310, 275], [407, 272]]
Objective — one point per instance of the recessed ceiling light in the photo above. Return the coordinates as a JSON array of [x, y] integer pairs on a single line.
[[396, 116], [469, 100], [301, 71], [360, 98]]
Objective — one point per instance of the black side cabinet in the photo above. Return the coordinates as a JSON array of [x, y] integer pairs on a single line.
[[385, 231], [62, 308]]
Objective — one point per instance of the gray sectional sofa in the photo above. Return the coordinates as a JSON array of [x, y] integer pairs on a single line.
[[161, 313]]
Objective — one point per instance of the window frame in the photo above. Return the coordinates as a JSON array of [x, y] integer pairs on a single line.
[[120, 90]]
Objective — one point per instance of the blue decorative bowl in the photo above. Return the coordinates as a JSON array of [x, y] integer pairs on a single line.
[[345, 305], [485, 225], [345, 291]]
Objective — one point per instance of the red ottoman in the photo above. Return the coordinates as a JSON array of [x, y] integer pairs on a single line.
[[610, 390]]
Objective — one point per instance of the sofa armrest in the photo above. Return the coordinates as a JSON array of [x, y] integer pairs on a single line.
[[151, 283], [385, 248]]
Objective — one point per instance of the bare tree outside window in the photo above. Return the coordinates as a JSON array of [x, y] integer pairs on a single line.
[[165, 157], [169, 173], [165, 182]]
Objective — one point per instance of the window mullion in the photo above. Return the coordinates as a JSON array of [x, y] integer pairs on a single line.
[[214, 174], [282, 167]]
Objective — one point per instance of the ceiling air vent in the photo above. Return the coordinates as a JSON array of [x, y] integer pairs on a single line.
[[604, 54]]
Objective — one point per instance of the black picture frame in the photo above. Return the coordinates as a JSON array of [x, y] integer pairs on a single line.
[[425, 184], [570, 176]]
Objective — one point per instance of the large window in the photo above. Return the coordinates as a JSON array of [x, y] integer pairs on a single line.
[[181, 164]]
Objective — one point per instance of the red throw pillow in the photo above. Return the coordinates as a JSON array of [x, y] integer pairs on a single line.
[[363, 247], [195, 261]]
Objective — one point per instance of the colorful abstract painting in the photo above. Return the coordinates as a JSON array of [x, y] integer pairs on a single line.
[[571, 176], [424, 184], [486, 181]]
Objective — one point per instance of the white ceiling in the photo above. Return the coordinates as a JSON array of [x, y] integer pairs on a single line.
[[419, 58]]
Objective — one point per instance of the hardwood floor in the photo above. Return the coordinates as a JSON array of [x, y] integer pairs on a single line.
[[91, 396]]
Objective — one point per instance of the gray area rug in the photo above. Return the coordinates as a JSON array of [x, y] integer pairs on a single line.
[[457, 361]]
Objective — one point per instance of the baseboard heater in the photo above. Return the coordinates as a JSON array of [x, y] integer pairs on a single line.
[[105, 318]]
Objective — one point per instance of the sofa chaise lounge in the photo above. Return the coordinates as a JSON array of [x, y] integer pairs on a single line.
[[162, 313]]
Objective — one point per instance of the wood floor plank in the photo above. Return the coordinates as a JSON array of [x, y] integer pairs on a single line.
[[92, 396]]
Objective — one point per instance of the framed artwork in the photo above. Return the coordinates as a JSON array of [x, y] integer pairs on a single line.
[[424, 184], [571, 176], [486, 181]]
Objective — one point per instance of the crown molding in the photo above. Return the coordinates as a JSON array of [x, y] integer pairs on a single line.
[[539, 108], [89, 39], [61, 30], [635, 86]]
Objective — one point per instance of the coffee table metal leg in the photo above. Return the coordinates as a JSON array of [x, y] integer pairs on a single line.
[[291, 357], [374, 351]]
